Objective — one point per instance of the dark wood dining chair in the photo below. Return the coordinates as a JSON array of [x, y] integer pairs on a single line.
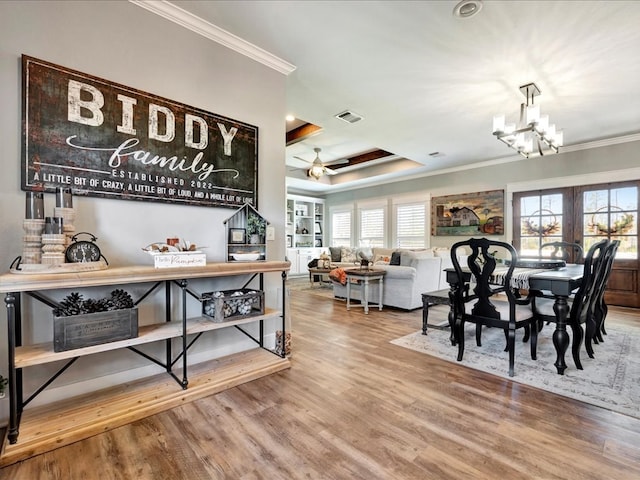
[[580, 303], [567, 251], [486, 309], [599, 307]]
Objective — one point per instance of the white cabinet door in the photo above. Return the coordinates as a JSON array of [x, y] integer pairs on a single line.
[[305, 255], [292, 256]]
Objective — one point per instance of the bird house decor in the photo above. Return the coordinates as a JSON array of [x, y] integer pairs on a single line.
[[246, 230]]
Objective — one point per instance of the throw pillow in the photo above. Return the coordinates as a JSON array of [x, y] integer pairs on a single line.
[[381, 259], [395, 258], [335, 253], [348, 255]]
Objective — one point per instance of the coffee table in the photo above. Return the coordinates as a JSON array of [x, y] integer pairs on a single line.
[[364, 277], [318, 272]]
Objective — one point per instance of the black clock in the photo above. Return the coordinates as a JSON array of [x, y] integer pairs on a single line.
[[80, 251]]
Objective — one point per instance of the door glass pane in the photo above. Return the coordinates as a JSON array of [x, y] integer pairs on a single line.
[[540, 222], [612, 213]]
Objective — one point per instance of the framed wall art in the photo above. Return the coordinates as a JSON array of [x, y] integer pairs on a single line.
[[468, 214], [237, 235], [108, 140]]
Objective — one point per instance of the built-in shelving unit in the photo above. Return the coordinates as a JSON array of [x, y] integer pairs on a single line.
[[305, 231]]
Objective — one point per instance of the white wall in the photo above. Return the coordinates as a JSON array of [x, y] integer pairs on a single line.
[[121, 42]]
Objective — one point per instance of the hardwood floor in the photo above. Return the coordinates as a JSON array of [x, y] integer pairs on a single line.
[[354, 406]]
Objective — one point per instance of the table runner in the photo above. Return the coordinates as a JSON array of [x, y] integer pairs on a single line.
[[519, 278]]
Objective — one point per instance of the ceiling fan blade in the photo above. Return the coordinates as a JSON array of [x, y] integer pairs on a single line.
[[339, 161], [329, 171], [300, 158]]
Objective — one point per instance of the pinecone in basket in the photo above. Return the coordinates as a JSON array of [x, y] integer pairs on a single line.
[[75, 304], [120, 300], [91, 306], [72, 304]]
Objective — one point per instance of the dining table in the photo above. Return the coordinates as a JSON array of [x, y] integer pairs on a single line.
[[560, 280]]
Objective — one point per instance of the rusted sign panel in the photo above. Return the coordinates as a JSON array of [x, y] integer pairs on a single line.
[[104, 139]]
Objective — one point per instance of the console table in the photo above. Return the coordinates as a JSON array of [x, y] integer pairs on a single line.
[[20, 357]]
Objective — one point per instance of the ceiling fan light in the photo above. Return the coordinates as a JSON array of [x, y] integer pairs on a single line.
[[316, 171]]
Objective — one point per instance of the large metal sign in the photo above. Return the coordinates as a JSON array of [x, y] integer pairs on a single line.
[[104, 139]]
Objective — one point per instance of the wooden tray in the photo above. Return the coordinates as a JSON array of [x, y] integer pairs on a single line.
[[38, 268]]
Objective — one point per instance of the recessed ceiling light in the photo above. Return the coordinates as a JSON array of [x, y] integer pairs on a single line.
[[289, 118], [467, 8]]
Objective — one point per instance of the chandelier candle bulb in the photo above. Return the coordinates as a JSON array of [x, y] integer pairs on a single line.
[[533, 114], [551, 131], [543, 124], [498, 124]]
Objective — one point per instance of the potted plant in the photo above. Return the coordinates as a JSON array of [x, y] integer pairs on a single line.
[[256, 227]]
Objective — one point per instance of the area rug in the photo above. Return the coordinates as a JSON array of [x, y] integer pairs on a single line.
[[303, 284], [610, 380]]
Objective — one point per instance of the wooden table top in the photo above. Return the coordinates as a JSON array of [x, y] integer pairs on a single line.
[[372, 272], [16, 282]]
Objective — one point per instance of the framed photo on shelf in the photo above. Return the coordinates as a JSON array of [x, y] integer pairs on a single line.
[[318, 242], [237, 235], [318, 227], [289, 241]]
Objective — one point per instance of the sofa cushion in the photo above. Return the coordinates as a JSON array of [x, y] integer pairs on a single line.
[[400, 272], [395, 258], [408, 257], [442, 252]]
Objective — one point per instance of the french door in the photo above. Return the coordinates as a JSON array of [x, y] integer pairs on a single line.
[[585, 215]]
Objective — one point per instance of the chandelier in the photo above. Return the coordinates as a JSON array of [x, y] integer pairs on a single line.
[[533, 134]]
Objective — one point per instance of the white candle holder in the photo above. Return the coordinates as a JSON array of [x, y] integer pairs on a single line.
[[53, 248], [32, 240], [68, 228]]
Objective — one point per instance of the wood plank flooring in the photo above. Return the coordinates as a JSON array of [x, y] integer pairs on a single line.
[[354, 406]]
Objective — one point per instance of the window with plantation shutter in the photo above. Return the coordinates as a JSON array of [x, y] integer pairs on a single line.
[[341, 229], [372, 227], [410, 225]]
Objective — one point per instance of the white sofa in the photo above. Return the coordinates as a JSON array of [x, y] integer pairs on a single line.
[[419, 272]]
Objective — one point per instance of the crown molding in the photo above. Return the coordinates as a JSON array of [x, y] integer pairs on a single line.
[[208, 30]]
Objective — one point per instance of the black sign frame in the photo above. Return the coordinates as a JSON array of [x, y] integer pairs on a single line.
[[104, 139]]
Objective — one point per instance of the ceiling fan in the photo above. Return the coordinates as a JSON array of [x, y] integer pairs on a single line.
[[318, 168]]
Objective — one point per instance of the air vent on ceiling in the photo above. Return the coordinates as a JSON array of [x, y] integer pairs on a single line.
[[349, 116]]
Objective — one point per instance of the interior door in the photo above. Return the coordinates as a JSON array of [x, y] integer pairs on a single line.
[[585, 214]]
